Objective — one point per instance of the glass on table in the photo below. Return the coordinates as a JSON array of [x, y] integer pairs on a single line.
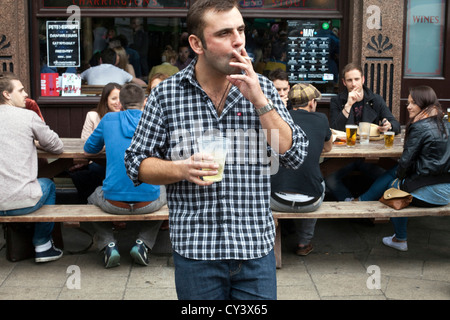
[[351, 130]]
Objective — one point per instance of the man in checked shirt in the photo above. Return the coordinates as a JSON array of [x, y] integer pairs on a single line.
[[222, 233]]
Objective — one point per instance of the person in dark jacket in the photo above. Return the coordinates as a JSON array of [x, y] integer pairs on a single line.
[[357, 104], [303, 189], [424, 167]]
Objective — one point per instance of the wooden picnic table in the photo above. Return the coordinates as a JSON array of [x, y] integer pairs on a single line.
[[73, 150]]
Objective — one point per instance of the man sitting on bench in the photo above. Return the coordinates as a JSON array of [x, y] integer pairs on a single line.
[[118, 195], [21, 192]]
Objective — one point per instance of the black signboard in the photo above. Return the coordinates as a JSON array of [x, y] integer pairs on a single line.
[[63, 44], [310, 54]]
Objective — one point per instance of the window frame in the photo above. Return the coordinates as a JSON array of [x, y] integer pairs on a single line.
[[37, 11]]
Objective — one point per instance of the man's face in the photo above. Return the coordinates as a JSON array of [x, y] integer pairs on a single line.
[[354, 80], [224, 32], [282, 87], [17, 97]]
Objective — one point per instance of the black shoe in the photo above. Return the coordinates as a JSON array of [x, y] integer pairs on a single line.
[[51, 254]]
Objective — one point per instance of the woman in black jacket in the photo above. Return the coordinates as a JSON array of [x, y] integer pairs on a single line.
[[424, 167]]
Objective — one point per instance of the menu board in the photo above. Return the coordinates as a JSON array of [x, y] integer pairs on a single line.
[[63, 44], [308, 52]]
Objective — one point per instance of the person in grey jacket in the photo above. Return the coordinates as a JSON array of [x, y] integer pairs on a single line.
[[21, 192]]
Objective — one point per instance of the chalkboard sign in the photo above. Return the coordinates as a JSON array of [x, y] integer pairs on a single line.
[[311, 52], [63, 44]]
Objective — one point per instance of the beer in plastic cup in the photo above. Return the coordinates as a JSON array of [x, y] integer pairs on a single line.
[[364, 132], [351, 130], [389, 139], [217, 148], [402, 133]]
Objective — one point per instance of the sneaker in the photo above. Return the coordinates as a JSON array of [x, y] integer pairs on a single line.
[[140, 253], [304, 251], [112, 256], [51, 254], [402, 246]]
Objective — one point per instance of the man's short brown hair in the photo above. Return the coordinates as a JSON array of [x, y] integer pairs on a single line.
[[195, 17], [132, 96], [6, 84], [350, 67]]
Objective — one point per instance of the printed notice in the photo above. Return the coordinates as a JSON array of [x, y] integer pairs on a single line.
[[309, 56], [63, 44]]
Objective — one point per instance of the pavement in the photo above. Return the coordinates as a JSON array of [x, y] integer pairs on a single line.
[[349, 262]]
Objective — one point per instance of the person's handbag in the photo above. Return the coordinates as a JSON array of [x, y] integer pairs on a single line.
[[396, 198], [19, 236]]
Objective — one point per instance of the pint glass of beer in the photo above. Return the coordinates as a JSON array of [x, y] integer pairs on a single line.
[[351, 130], [216, 147], [389, 139]]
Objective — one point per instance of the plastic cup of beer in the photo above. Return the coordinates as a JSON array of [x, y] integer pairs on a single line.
[[389, 139], [217, 148], [402, 133], [351, 130], [364, 132]]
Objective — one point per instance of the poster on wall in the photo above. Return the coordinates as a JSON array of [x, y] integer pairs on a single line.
[[425, 35], [310, 52], [63, 44]]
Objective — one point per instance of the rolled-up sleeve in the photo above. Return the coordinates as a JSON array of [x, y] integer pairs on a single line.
[[295, 156], [148, 140]]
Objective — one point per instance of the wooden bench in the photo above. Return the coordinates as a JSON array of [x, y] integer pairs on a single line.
[[328, 210]]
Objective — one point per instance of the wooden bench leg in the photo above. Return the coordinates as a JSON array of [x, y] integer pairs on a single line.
[[277, 248]]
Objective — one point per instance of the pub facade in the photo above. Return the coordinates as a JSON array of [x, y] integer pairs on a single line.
[[399, 44]]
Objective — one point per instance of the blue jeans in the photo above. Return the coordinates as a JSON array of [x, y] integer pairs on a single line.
[[42, 230], [226, 279], [335, 181], [376, 190]]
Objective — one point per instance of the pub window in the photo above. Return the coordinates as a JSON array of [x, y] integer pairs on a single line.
[[306, 48], [425, 31]]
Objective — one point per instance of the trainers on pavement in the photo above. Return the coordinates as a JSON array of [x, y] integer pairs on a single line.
[[51, 254], [112, 256], [140, 253], [402, 246]]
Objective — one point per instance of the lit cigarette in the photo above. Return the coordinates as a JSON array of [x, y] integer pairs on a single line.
[[248, 58]]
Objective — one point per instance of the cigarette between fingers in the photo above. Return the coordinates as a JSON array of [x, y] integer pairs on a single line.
[[248, 58]]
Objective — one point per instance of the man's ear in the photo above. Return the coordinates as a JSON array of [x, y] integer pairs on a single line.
[[6, 95], [196, 44]]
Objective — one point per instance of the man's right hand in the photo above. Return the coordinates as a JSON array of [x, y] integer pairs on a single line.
[[354, 96], [192, 168]]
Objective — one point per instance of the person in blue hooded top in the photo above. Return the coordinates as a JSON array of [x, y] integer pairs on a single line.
[[118, 195]]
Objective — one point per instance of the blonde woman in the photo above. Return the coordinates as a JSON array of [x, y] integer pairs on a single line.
[[169, 58], [124, 63]]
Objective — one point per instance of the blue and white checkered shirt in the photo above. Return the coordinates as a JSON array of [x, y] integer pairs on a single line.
[[230, 219]]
